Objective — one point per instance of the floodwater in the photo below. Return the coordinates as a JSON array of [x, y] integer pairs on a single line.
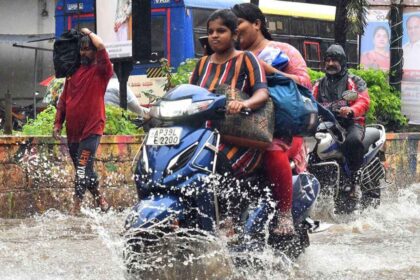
[[382, 243]]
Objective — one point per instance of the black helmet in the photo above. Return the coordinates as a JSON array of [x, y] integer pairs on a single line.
[[336, 52]]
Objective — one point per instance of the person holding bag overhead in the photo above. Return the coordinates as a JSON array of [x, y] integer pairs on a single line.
[[81, 106], [284, 59]]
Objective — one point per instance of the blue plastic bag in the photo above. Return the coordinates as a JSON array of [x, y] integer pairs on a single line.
[[295, 108]]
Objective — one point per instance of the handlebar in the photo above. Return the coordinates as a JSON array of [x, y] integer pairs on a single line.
[[336, 131], [244, 111]]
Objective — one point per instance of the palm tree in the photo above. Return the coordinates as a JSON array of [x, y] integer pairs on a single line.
[[350, 16]]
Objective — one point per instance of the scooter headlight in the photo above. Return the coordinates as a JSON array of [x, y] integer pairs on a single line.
[[179, 108]]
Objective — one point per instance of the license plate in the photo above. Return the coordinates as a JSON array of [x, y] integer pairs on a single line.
[[165, 136]]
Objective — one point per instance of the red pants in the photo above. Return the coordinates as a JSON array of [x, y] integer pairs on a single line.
[[279, 173]]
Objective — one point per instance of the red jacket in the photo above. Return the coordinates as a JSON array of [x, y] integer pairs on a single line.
[[81, 104], [359, 106]]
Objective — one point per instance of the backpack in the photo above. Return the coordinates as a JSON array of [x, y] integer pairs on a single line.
[[66, 53], [295, 108]]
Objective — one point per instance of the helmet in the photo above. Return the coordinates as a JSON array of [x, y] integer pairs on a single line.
[[337, 52]]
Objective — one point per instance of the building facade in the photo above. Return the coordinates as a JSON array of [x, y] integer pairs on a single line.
[[17, 65]]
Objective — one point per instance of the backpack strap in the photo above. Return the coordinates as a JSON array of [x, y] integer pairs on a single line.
[[235, 77]]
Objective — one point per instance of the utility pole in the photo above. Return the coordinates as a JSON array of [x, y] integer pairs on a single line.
[[142, 31], [8, 127], [396, 53]]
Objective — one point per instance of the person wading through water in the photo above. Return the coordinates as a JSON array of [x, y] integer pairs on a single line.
[[82, 106]]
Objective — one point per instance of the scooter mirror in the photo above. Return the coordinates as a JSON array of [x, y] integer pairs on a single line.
[[350, 95]]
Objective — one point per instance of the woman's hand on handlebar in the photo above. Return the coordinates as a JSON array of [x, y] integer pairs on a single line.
[[235, 106]]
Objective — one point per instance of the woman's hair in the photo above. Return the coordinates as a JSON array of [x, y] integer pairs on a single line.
[[381, 28], [252, 13], [228, 18], [85, 40]]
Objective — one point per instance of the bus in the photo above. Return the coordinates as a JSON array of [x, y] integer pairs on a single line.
[[178, 24]]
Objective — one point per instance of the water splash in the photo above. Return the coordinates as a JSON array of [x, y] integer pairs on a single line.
[[379, 243]]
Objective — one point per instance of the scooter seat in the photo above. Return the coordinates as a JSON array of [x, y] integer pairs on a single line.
[[372, 135]]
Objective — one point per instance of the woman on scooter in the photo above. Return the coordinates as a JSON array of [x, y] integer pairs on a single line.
[[219, 69], [254, 36]]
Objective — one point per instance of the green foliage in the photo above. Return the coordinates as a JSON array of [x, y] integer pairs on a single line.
[[183, 72], [315, 75], [149, 94], [117, 122], [42, 125], [385, 102]]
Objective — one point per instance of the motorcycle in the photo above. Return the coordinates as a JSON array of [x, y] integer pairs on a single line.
[[179, 179], [328, 164]]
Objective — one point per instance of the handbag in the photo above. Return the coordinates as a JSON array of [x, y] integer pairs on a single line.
[[254, 130], [295, 108]]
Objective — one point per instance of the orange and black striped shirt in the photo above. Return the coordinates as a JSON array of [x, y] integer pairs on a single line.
[[209, 75], [250, 78]]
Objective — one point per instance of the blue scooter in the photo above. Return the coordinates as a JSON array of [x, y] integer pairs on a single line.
[[179, 186]]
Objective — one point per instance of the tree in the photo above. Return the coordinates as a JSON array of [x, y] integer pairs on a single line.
[[255, 2], [350, 16]]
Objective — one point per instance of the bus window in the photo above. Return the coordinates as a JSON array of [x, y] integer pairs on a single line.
[[80, 21], [312, 54], [326, 29], [311, 27], [296, 27], [278, 24], [158, 36], [79, 24], [200, 17], [198, 50], [297, 43]]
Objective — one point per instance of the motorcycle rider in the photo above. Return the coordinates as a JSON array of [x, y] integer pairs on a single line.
[[351, 116]]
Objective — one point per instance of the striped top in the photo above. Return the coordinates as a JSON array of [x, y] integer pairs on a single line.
[[210, 75], [250, 77]]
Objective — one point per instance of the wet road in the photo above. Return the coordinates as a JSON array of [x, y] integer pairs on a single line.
[[381, 243]]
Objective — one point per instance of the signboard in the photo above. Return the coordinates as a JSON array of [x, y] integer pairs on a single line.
[[410, 87], [380, 2], [113, 24], [146, 89], [71, 7], [374, 45]]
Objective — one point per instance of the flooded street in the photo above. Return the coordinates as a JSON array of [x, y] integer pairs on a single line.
[[381, 243]]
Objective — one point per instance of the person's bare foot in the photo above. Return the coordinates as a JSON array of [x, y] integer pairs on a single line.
[[284, 224], [102, 204], [77, 204]]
